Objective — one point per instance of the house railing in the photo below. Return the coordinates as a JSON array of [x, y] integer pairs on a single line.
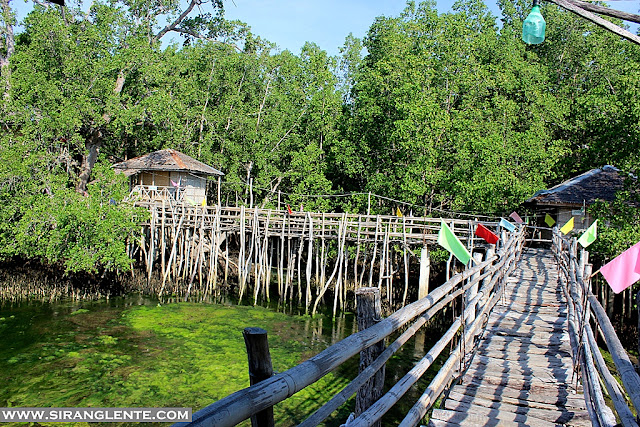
[[586, 316], [478, 289], [156, 193]]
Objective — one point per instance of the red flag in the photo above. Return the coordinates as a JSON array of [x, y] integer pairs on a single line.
[[486, 234], [289, 209], [516, 217]]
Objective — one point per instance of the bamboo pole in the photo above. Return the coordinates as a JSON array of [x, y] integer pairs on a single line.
[[374, 255], [307, 299], [406, 262]]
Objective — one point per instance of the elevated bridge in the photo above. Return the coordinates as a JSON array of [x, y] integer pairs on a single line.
[[520, 351]]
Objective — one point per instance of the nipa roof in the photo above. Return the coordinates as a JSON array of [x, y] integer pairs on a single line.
[[165, 160], [597, 184]]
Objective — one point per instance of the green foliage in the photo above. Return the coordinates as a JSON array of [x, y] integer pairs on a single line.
[[442, 111], [44, 218], [618, 225]]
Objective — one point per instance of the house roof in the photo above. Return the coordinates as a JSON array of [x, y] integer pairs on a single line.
[[596, 184], [165, 160]]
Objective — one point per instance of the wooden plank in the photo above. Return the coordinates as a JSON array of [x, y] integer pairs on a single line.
[[495, 413], [550, 340], [545, 375], [577, 418], [562, 397], [471, 419], [512, 346], [551, 413]]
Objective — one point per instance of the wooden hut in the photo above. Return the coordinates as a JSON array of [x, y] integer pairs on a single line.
[[168, 175], [572, 197]]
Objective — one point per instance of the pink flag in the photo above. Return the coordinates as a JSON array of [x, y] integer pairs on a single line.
[[622, 271], [516, 217], [175, 184]]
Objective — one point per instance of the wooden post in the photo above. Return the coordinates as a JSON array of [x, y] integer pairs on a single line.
[[369, 313], [473, 290], [369, 204], [425, 271], [219, 198], [260, 369]]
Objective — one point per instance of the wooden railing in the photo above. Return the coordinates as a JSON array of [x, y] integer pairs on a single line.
[[328, 251], [586, 317], [478, 288]]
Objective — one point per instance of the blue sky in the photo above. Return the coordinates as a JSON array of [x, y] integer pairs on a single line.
[[290, 23]]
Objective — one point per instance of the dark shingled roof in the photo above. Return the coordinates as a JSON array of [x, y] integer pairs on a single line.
[[597, 184], [165, 160]]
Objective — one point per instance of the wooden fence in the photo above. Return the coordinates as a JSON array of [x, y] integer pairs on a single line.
[[586, 319], [196, 247], [477, 289]]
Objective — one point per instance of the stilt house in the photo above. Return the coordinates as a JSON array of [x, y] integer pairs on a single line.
[[168, 175], [572, 197]]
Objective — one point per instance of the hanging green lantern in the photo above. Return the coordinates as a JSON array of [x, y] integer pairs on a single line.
[[534, 26]]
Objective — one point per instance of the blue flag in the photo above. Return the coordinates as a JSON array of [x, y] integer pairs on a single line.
[[507, 225]]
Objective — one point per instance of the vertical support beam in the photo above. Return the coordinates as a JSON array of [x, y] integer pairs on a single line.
[[219, 195], [369, 313], [260, 369], [425, 271], [473, 290]]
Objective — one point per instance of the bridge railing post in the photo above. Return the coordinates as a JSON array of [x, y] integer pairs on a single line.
[[260, 369], [369, 313], [425, 271]]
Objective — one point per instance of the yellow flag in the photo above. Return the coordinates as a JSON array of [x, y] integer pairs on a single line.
[[567, 227], [550, 221], [204, 202], [398, 212]]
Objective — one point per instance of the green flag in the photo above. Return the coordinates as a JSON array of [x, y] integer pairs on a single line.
[[589, 236], [549, 220], [450, 242]]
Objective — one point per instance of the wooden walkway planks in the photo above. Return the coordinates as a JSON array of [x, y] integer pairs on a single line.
[[522, 371]]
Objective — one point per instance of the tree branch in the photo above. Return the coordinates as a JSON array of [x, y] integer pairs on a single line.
[[179, 19], [197, 35], [601, 22], [607, 11]]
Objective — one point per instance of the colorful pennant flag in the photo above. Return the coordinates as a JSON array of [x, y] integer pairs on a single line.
[[486, 234], [589, 236], [176, 184], [623, 271], [399, 212], [567, 227], [450, 242], [506, 224], [516, 217], [548, 220], [204, 202], [289, 210]]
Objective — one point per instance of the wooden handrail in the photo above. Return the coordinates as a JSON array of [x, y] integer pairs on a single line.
[[244, 403], [583, 307]]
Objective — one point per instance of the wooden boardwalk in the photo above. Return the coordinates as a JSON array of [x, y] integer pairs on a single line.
[[522, 371]]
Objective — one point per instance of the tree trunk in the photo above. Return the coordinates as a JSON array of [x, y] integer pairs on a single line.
[[9, 47], [93, 144]]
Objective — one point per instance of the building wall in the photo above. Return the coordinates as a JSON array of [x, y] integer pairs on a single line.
[[581, 221]]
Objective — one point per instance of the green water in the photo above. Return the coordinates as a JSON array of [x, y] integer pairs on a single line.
[[135, 352]]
